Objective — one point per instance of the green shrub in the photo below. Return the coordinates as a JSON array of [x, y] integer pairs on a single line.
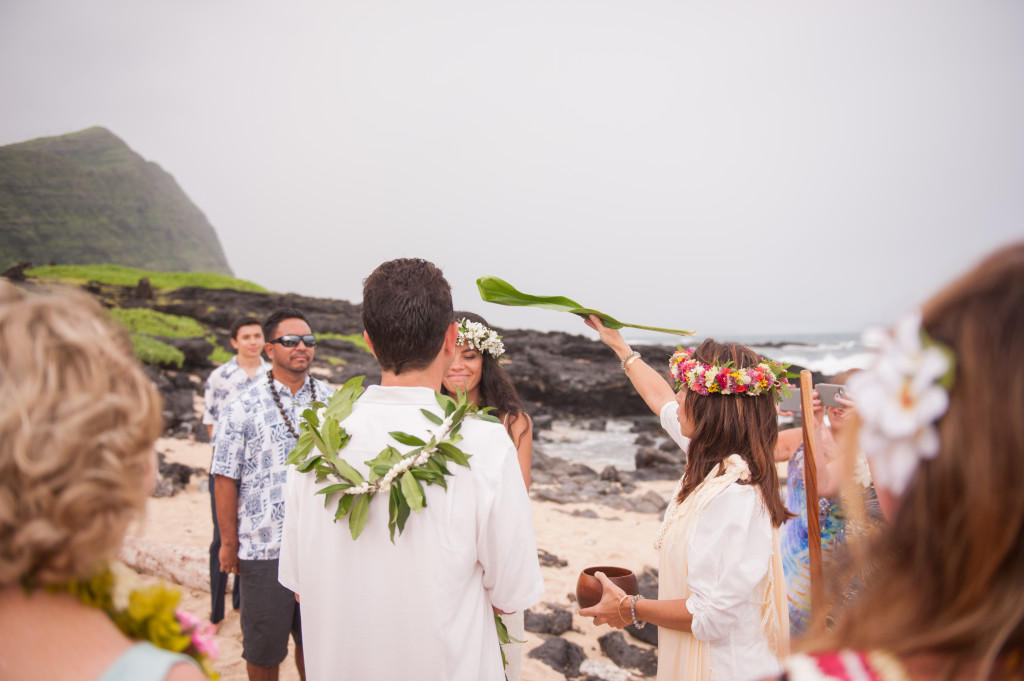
[[355, 339], [335, 361], [219, 355], [151, 351], [129, 276], [153, 323]]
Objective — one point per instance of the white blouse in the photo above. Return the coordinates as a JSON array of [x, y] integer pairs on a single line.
[[723, 572]]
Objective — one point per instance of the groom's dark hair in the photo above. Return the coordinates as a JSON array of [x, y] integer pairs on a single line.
[[407, 309]]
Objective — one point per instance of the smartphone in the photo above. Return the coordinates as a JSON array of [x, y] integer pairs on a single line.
[[827, 393], [791, 403]]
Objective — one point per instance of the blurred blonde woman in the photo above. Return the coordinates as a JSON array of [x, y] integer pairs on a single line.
[[942, 424], [78, 419]]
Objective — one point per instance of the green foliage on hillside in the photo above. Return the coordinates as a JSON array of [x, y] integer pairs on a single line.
[[129, 276], [151, 351], [87, 198], [353, 338], [152, 323], [219, 355]]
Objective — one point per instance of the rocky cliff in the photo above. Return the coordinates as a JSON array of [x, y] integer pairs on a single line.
[[87, 198]]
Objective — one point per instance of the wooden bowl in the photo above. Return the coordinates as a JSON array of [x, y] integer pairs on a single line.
[[589, 589]]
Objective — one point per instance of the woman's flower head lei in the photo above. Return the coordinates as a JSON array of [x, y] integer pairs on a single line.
[[900, 398], [481, 338], [712, 379]]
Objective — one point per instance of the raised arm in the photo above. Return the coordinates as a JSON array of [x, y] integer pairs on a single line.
[[654, 389]]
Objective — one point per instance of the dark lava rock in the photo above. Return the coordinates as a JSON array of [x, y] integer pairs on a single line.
[[561, 655], [649, 457], [643, 440], [554, 620], [172, 477], [663, 472], [549, 559], [623, 654]]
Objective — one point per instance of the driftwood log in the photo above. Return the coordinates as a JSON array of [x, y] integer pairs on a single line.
[[186, 566]]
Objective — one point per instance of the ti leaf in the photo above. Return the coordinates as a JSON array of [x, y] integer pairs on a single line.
[[344, 504], [340, 404], [331, 489], [407, 439], [412, 492], [346, 471], [495, 290], [446, 403], [358, 515], [303, 447], [432, 416], [454, 453]]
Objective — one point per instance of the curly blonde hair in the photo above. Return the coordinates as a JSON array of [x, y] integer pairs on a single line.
[[78, 419]]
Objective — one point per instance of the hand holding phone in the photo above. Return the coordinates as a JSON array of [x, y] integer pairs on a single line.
[[828, 393]]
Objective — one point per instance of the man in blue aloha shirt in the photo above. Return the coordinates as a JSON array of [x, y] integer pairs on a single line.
[[255, 434]]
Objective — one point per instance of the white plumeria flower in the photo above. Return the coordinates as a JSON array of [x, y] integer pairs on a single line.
[[480, 338], [899, 400]]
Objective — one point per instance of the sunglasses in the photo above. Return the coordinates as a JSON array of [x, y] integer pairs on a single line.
[[292, 340]]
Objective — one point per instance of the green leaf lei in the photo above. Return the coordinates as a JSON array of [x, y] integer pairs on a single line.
[[402, 476]]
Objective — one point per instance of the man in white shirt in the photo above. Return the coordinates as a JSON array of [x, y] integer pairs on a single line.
[[421, 607], [223, 384]]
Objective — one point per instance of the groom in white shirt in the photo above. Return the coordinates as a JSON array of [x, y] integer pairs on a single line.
[[420, 607]]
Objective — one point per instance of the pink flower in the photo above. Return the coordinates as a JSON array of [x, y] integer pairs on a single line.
[[201, 632]]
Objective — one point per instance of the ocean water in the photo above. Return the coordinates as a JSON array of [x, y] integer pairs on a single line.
[[828, 354], [614, 445]]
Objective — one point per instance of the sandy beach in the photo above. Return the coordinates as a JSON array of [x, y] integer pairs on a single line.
[[181, 526]]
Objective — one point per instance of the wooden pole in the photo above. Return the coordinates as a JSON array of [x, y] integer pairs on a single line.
[[812, 506]]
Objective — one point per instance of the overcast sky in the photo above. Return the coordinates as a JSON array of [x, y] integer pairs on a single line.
[[674, 163]]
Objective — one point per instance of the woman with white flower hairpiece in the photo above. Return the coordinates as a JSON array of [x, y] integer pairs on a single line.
[[475, 370], [942, 426], [721, 606]]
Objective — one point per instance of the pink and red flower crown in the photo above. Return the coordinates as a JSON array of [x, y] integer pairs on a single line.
[[710, 379]]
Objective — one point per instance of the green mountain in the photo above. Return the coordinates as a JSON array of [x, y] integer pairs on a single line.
[[87, 198]]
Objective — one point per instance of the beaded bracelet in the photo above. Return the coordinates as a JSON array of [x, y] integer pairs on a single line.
[[629, 359], [639, 624]]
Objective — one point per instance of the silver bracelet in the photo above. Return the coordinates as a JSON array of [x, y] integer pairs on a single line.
[[639, 624], [627, 360]]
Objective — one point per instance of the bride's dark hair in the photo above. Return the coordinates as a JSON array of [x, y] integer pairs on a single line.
[[496, 388]]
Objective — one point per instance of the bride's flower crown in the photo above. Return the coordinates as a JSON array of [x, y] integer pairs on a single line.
[[481, 338], [900, 399], [712, 379]]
